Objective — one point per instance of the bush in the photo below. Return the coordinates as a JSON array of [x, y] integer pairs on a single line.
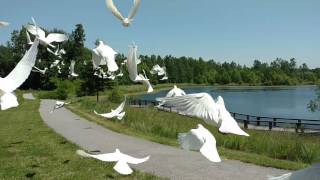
[[115, 96], [64, 89], [49, 95]]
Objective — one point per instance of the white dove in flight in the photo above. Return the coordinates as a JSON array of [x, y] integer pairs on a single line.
[[125, 21], [203, 106], [175, 92], [54, 63], [45, 40], [58, 52], [132, 68], [41, 71], [115, 113], [4, 24], [202, 140], [309, 173], [59, 69], [58, 105], [104, 55], [123, 160], [71, 68], [17, 77], [160, 71], [165, 77], [156, 69], [28, 38]]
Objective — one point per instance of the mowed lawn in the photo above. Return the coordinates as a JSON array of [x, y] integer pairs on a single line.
[[283, 150], [29, 149]]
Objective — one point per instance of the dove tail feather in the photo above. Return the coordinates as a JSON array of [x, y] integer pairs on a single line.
[[282, 177], [123, 168], [121, 115], [96, 112], [83, 153], [8, 100]]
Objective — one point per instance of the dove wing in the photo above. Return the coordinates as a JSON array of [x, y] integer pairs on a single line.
[[123, 168], [120, 107], [114, 10], [136, 4], [36, 31], [133, 160], [56, 37], [22, 70], [200, 105], [132, 64]]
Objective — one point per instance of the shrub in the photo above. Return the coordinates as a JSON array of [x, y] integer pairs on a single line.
[[115, 96], [61, 91], [64, 89]]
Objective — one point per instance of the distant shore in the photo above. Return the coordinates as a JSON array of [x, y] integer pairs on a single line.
[[167, 86]]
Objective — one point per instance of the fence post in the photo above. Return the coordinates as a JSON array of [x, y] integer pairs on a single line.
[[270, 125], [274, 122], [246, 122], [258, 121], [139, 102], [298, 125]]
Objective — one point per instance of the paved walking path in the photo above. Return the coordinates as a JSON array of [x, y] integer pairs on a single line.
[[165, 161]]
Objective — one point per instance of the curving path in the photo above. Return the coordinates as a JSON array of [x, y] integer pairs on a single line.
[[165, 161]]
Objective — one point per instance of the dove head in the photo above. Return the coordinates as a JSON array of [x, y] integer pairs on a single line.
[[100, 43], [174, 86], [220, 100], [126, 22], [117, 150], [200, 126], [134, 45]]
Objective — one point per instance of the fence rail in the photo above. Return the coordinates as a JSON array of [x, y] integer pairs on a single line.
[[299, 125]]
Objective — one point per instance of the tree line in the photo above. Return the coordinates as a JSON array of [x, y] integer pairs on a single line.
[[179, 69]]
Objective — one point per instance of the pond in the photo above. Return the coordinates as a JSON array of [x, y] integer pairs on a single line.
[[280, 102]]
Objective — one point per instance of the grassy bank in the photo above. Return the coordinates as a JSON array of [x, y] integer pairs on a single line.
[[275, 149], [29, 149]]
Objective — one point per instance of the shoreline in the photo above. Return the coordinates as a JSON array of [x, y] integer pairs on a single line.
[[161, 87]]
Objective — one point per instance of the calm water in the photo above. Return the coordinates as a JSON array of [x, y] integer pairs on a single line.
[[285, 102]]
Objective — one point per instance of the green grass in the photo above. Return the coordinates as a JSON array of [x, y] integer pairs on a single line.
[[29, 149], [275, 149]]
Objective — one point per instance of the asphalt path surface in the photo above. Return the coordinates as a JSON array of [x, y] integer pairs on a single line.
[[165, 161]]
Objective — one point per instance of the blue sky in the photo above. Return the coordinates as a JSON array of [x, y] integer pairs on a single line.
[[223, 30]]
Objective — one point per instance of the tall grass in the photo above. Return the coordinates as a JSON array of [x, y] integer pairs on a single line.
[[151, 122]]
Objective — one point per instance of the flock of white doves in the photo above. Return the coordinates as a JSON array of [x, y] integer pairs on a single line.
[[200, 105]]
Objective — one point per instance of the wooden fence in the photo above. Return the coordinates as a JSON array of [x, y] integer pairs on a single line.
[[299, 125]]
